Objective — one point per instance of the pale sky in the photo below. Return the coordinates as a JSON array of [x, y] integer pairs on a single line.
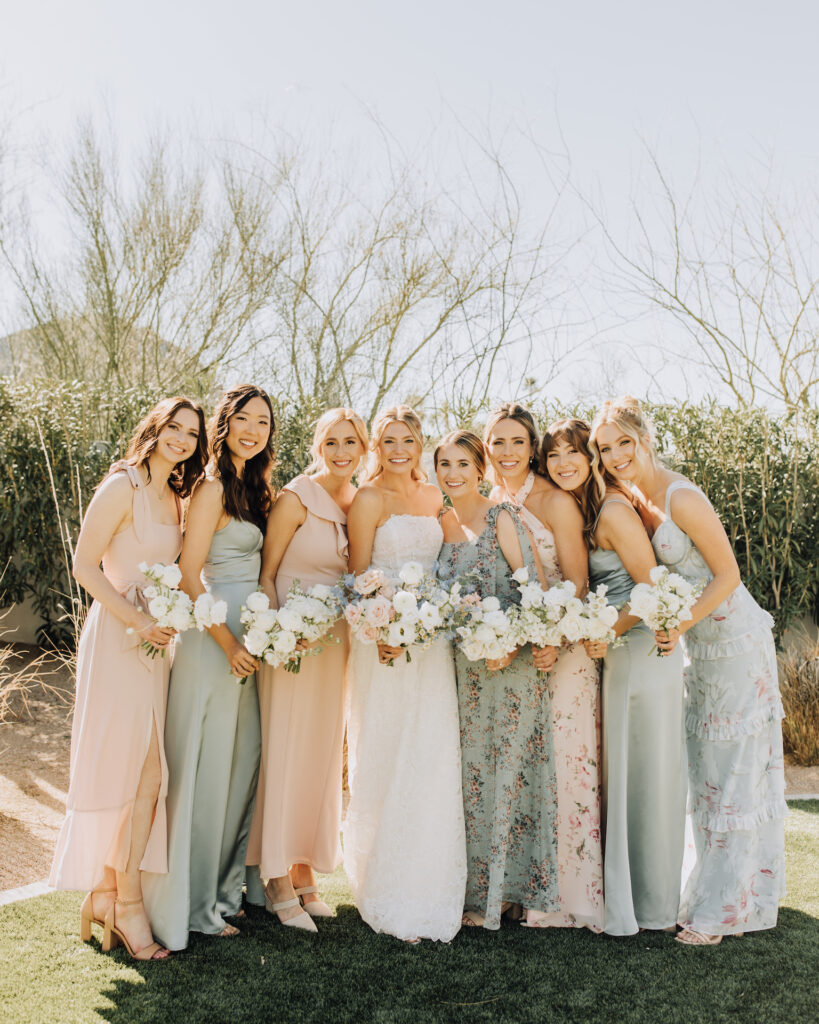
[[724, 82]]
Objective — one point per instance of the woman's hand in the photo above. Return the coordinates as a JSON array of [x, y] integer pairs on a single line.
[[544, 657], [387, 654], [666, 640], [596, 648], [496, 664], [241, 661], [148, 632]]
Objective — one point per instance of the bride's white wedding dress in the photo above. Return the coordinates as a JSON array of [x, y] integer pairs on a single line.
[[404, 844]]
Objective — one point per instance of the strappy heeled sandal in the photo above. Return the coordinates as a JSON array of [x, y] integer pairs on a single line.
[[302, 920], [315, 908], [87, 917], [112, 936]]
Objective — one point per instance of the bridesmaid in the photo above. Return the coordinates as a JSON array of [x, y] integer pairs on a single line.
[[555, 522], [509, 786], [212, 736], [115, 818], [736, 769], [297, 818], [644, 772]]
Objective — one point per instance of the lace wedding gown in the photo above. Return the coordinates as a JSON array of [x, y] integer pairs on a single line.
[[404, 843]]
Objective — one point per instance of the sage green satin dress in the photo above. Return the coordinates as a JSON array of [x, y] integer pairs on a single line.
[[644, 770], [212, 745]]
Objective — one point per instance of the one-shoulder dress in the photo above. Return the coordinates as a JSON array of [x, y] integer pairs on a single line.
[[574, 690], [735, 761], [509, 784], [297, 817], [121, 694], [644, 769], [212, 743]]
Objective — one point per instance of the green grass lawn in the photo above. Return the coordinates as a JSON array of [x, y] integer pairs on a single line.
[[348, 974]]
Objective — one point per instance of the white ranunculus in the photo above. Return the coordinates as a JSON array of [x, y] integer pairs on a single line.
[[490, 604], [149, 592], [657, 573], [266, 620], [320, 591], [430, 616], [179, 618], [171, 576], [159, 606], [404, 603], [255, 640], [285, 642], [290, 620], [257, 601], [411, 573]]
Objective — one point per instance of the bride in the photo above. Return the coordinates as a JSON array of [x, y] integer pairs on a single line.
[[404, 844]]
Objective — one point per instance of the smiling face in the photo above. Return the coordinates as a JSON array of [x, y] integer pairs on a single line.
[[567, 465], [249, 429], [510, 450], [398, 450], [178, 438], [458, 475], [341, 450], [620, 455]]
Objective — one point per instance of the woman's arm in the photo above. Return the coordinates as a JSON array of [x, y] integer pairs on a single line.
[[286, 516], [566, 521], [362, 520], [109, 511], [204, 514], [694, 515], [622, 529]]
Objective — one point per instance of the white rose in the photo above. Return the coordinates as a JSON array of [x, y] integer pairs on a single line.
[[490, 604], [321, 592], [430, 616], [179, 619], [218, 613], [521, 575], [266, 620], [657, 573], [290, 620], [404, 603], [411, 573], [257, 601]]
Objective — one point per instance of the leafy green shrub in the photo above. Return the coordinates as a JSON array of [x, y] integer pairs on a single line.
[[761, 473]]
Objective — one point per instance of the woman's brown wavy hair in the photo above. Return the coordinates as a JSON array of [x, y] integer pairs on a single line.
[[576, 433], [520, 414], [248, 496], [184, 475]]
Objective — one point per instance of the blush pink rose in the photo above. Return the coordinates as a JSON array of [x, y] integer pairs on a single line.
[[379, 611]]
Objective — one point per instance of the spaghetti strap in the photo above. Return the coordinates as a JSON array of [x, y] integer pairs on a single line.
[[610, 501]]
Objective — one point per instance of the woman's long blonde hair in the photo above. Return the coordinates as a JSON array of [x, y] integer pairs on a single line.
[[627, 415], [325, 424], [394, 414]]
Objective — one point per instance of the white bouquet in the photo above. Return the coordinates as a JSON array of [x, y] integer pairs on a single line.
[[274, 634], [598, 618], [487, 631], [665, 602], [410, 610], [547, 617], [172, 608]]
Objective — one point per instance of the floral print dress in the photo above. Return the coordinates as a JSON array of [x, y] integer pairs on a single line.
[[574, 691], [507, 757], [735, 762]]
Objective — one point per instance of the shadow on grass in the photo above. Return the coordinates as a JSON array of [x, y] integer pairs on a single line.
[[348, 974]]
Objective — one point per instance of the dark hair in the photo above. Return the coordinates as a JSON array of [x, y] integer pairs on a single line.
[[249, 496], [184, 475], [520, 414], [470, 442], [576, 433]]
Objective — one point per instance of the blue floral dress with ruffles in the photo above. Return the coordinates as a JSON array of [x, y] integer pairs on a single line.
[[735, 760]]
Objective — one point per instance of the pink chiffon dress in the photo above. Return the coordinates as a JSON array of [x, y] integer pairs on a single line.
[[574, 688], [121, 695], [297, 816]]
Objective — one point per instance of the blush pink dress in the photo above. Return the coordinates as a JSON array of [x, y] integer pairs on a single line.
[[121, 694], [297, 816], [574, 688]]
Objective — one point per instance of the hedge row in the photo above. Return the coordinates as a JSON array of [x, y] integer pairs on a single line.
[[760, 472]]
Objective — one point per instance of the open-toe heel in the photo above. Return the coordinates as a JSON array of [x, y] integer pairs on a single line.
[[87, 917], [112, 936]]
